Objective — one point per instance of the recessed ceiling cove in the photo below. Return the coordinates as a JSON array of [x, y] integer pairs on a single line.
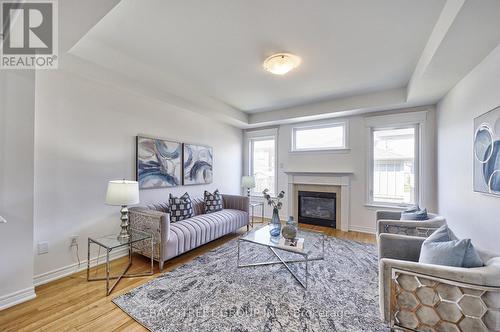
[[213, 50]]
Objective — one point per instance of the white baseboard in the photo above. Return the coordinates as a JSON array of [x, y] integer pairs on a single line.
[[362, 229], [20, 296], [73, 268]]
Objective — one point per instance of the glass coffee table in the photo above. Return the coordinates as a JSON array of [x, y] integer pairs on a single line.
[[313, 249]]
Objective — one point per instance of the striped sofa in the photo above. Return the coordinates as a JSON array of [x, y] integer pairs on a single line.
[[172, 239]]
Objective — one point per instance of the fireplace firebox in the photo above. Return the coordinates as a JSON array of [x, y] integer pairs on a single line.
[[317, 208]]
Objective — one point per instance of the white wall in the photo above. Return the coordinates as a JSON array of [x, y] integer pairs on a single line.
[[85, 135], [468, 213], [362, 217], [17, 109]]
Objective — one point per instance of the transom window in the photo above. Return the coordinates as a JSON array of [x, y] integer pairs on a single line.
[[320, 137], [394, 165]]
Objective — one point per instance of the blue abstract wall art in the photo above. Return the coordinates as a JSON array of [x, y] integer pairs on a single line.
[[158, 163], [487, 153], [197, 164]]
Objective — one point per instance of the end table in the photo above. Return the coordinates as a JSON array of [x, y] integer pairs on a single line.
[[253, 205], [110, 243]]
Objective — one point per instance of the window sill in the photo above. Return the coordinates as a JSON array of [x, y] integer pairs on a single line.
[[375, 206], [340, 150]]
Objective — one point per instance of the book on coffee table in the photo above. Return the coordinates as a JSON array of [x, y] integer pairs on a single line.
[[295, 243]]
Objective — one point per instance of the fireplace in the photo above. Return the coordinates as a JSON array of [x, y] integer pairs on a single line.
[[329, 182], [317, 208]]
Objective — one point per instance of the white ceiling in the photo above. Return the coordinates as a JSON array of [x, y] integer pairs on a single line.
[[210, 52]]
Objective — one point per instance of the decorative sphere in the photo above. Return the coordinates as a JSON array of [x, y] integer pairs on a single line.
[[289, 232]]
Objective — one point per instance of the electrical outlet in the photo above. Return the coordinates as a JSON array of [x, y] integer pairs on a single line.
[[74, 241], [43, 247]]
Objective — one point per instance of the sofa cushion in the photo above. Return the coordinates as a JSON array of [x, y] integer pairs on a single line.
[[180, 207], [213, 202], [193, 232]]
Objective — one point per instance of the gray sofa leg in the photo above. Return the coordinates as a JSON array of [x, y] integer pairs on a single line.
[[248, 227], [160, 265]]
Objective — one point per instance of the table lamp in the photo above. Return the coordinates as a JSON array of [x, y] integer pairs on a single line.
[[248, 182], [123, 193]]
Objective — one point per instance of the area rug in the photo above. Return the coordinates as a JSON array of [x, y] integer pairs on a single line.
[[212, 294]]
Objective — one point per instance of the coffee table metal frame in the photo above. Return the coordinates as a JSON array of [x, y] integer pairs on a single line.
[[274, 249]]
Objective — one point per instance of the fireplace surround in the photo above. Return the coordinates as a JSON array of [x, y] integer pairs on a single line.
[[322, 181]]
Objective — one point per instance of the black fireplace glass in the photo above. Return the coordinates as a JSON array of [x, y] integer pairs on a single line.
[[317, 208]]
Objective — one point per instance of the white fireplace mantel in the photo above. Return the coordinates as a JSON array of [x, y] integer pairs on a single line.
[[328, 178]]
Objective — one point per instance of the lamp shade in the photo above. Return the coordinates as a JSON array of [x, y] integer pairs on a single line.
[[248, 182], [122, 192]]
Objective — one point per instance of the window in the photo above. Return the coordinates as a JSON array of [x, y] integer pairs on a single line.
[[321, 137], [394, 165], [263, 164]]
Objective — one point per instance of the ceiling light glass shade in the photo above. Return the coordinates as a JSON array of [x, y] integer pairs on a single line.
[[122, 192], [281, 63]]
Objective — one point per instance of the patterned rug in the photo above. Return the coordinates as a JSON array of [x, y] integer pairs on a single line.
[[212, 294]]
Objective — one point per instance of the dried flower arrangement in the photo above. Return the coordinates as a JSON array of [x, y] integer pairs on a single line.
[[274, 202]]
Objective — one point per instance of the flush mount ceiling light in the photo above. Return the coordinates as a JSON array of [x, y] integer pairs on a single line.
[[281, 63]]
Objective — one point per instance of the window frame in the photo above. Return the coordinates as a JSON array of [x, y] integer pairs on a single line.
[[251, 141], [417, 164], [345, 139]]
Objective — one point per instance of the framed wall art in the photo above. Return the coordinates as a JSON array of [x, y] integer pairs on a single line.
[[197, 164], [486, 146], [158, 163]]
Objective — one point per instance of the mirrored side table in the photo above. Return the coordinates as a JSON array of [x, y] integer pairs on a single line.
[[253, 205], [110, 243]]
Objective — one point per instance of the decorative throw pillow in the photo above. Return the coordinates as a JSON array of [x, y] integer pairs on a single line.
[[442, 234], [471, 258], [213, 202], [180, 207], [414, 215], [448, 253], [413, 208], [443, 248]]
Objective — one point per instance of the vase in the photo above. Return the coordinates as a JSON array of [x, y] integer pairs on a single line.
[[289, 231], [275, 225]]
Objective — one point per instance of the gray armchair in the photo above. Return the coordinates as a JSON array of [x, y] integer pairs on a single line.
[[426, 297], [389, 222]]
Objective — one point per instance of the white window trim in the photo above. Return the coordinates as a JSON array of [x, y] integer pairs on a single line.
[[343, 124], [396, 121], [257, 135]]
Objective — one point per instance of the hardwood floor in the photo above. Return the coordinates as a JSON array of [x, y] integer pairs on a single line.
[[73, 304]]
